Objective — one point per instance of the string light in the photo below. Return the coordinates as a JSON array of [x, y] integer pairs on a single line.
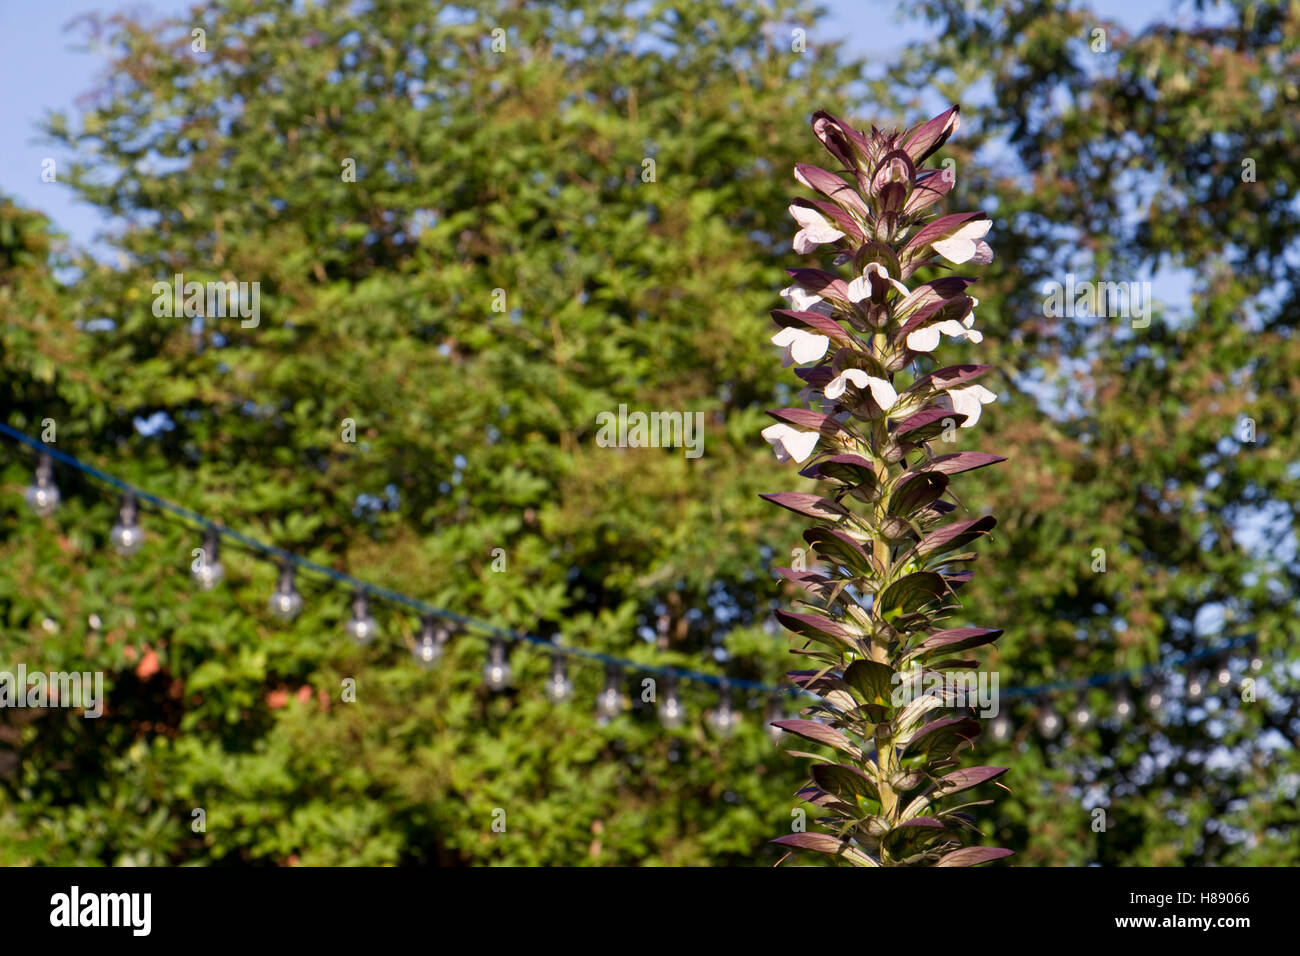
[[1195, 687], [207, 568], [433, 638], [671, 711], [1123, 705], [127, 536], [496, 672], [774, 713], [1049, 722], [1001, 728], [1080, 715], [559, 688], [361, 626], [609, 702], [286, 602], [43, 495], [723, 719], [1224, 676]]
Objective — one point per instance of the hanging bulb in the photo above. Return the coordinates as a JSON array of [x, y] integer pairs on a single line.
[[43, 495], [1080, 715], [286, 602], [559, 688], [1195, 687], [1224, 677], [496, 672], [774, 713], [1123, 705], [1155, 699], [127, 536], [1049, 723], [432, 640], [1256, 664], [361, 627], [671, 711], [723, 718], [207, 568], [609, 702], [1001, 729]]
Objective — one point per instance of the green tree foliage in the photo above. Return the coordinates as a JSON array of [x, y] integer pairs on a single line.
[[1172, 447], [521, 169]]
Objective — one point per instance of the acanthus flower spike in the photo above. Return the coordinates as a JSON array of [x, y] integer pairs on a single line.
[[892, 560]]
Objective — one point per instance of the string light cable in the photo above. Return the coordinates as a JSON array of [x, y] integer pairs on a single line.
[[43, 497]]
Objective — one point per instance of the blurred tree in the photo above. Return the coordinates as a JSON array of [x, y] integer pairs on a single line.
[[474, 228], [1172, 447]]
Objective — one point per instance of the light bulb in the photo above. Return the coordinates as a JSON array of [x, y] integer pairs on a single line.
[[1001, 728], [431, 641], [609, 702], [774, 713], [1195, 687], [361, 627], [496, 672], [1256, 665], [1155, 699], [127, 536], [1123, 706], [207, 568], [43, 495], [1049, 723], [1080, 716], [1224, 676], [671, 711], [559, 688], [723, 718], [286, 602]]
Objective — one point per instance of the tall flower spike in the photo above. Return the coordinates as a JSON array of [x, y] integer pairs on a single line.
[[891, 560]]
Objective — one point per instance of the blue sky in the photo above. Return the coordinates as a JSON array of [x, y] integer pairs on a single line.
[[47, 67]]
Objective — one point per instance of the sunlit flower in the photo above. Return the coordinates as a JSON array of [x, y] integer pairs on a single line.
[[967, 400], [799, 347], [966, 244], [814, 229], [927, 339], [882, 393], [801, 300], [860, 288], [789, 442]]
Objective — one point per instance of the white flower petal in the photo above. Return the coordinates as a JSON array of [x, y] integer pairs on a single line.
[[800, 298], [859, 289], [800, 346], [968, 400], [814, 231], [807, 218], [882, 393], [923, 340], [966, 244], [808, 346], [837, 386], [789, 442]]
